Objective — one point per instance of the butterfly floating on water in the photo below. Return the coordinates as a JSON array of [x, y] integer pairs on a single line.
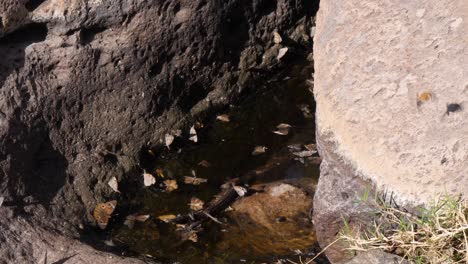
[[102, 213]]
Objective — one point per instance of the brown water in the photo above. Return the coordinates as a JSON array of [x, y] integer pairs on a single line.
[[228, 147]]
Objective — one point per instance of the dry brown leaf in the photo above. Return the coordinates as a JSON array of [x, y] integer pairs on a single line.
[[194, 180], [223, 118], [148, 179], [160, 173], [283, 126], [311, 147], [113, 184], [193, 134], [283, 129], [102, 213], [171, 185], [204, 163], [166, 218], [277, 38], [241, 191], [259, 150], [196, 204], [304, 154], [168, 140], [281, 53], [192, 236]]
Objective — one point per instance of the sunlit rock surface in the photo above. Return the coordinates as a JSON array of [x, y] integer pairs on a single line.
[[391, 86]]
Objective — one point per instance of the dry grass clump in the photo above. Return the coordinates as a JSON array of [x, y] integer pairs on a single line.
[[437, 234]]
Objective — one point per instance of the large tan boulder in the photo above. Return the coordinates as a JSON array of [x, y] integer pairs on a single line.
[[391, 86]]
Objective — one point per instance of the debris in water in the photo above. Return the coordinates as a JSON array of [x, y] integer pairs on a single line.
[[277, 38], [113, 184], [259, 150], [204, 163], [160, 173], [109, 243], [223, 118], [130, 219], [102, 213], [166, 218], [283, 129], [304, 153], [193, 135], [196, 204], [168, 139], [311, 147], [241, 191], [192, 236], [281, 53], [171, 185], [148, 179], [306, 111], [194, 180]]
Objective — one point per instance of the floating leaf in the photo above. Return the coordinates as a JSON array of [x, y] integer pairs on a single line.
[[108, 243], [223, 118], [281, 53], [192, 236], [259, 150], [196, 204], [283, 126], [142, 218], [194, 180], [277, 38], [166, 218], [113, 184], [283, 129], [160, 173], [193, 135], [204, 163], [171, 185], [305, 153], [295, 147], [148, 179], [311, 147], [102, 213], [241, 191], [168, 140], [130, 219]]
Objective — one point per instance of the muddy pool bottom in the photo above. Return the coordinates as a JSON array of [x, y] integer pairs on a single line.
[[243, 146]]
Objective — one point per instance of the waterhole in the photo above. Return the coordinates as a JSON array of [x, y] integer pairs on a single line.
[[272, 222]]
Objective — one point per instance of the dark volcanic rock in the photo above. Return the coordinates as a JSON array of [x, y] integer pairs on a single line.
[[85, 85]]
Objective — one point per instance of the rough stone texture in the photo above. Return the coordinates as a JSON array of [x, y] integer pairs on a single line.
[[85, 85], [39, 245], [377, 257], [374, 61]]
